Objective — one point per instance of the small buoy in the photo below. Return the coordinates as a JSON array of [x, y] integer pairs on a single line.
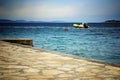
[[66, 29]]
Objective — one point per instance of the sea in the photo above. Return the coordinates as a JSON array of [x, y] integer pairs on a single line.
[[100, 42]]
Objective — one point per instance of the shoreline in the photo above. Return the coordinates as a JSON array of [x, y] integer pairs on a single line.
[[23, 62], [25, 42], [77, 57]]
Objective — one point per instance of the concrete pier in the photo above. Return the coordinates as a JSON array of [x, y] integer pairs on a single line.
[[19, 62], [23, 41]]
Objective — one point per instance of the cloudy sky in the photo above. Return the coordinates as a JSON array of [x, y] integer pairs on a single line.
[[60, 10]]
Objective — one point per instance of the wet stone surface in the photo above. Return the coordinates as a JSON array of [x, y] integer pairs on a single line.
[[26, 63]]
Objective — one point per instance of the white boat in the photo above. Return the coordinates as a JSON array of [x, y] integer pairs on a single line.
[[83, 25]]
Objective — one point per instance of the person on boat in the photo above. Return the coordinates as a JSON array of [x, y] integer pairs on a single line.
[[85, 25]]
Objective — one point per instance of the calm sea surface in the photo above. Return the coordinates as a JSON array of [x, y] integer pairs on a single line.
[[100, 41]]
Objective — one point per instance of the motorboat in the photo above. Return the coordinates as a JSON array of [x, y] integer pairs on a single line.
[[83, 25]]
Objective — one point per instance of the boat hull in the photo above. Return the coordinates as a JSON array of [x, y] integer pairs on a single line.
[[80, 26]]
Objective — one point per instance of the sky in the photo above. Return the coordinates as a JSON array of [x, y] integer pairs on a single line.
[[60, 10]]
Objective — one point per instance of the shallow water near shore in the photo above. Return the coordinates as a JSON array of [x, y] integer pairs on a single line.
[[100, 41]]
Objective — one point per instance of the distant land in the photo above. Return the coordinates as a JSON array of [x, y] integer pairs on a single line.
[[25, 21], [16, 21], [112, 21], [7, 22]]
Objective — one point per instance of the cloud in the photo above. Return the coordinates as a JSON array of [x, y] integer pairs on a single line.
[[58, 9], [96, 7], [42, 10]]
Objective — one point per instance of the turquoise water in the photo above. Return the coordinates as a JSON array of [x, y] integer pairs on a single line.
[[100, 41]]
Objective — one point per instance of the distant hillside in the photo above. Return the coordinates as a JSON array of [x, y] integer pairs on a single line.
[[20, 21], [112, 21], [24, 21], [11, 21], [5, 20]]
